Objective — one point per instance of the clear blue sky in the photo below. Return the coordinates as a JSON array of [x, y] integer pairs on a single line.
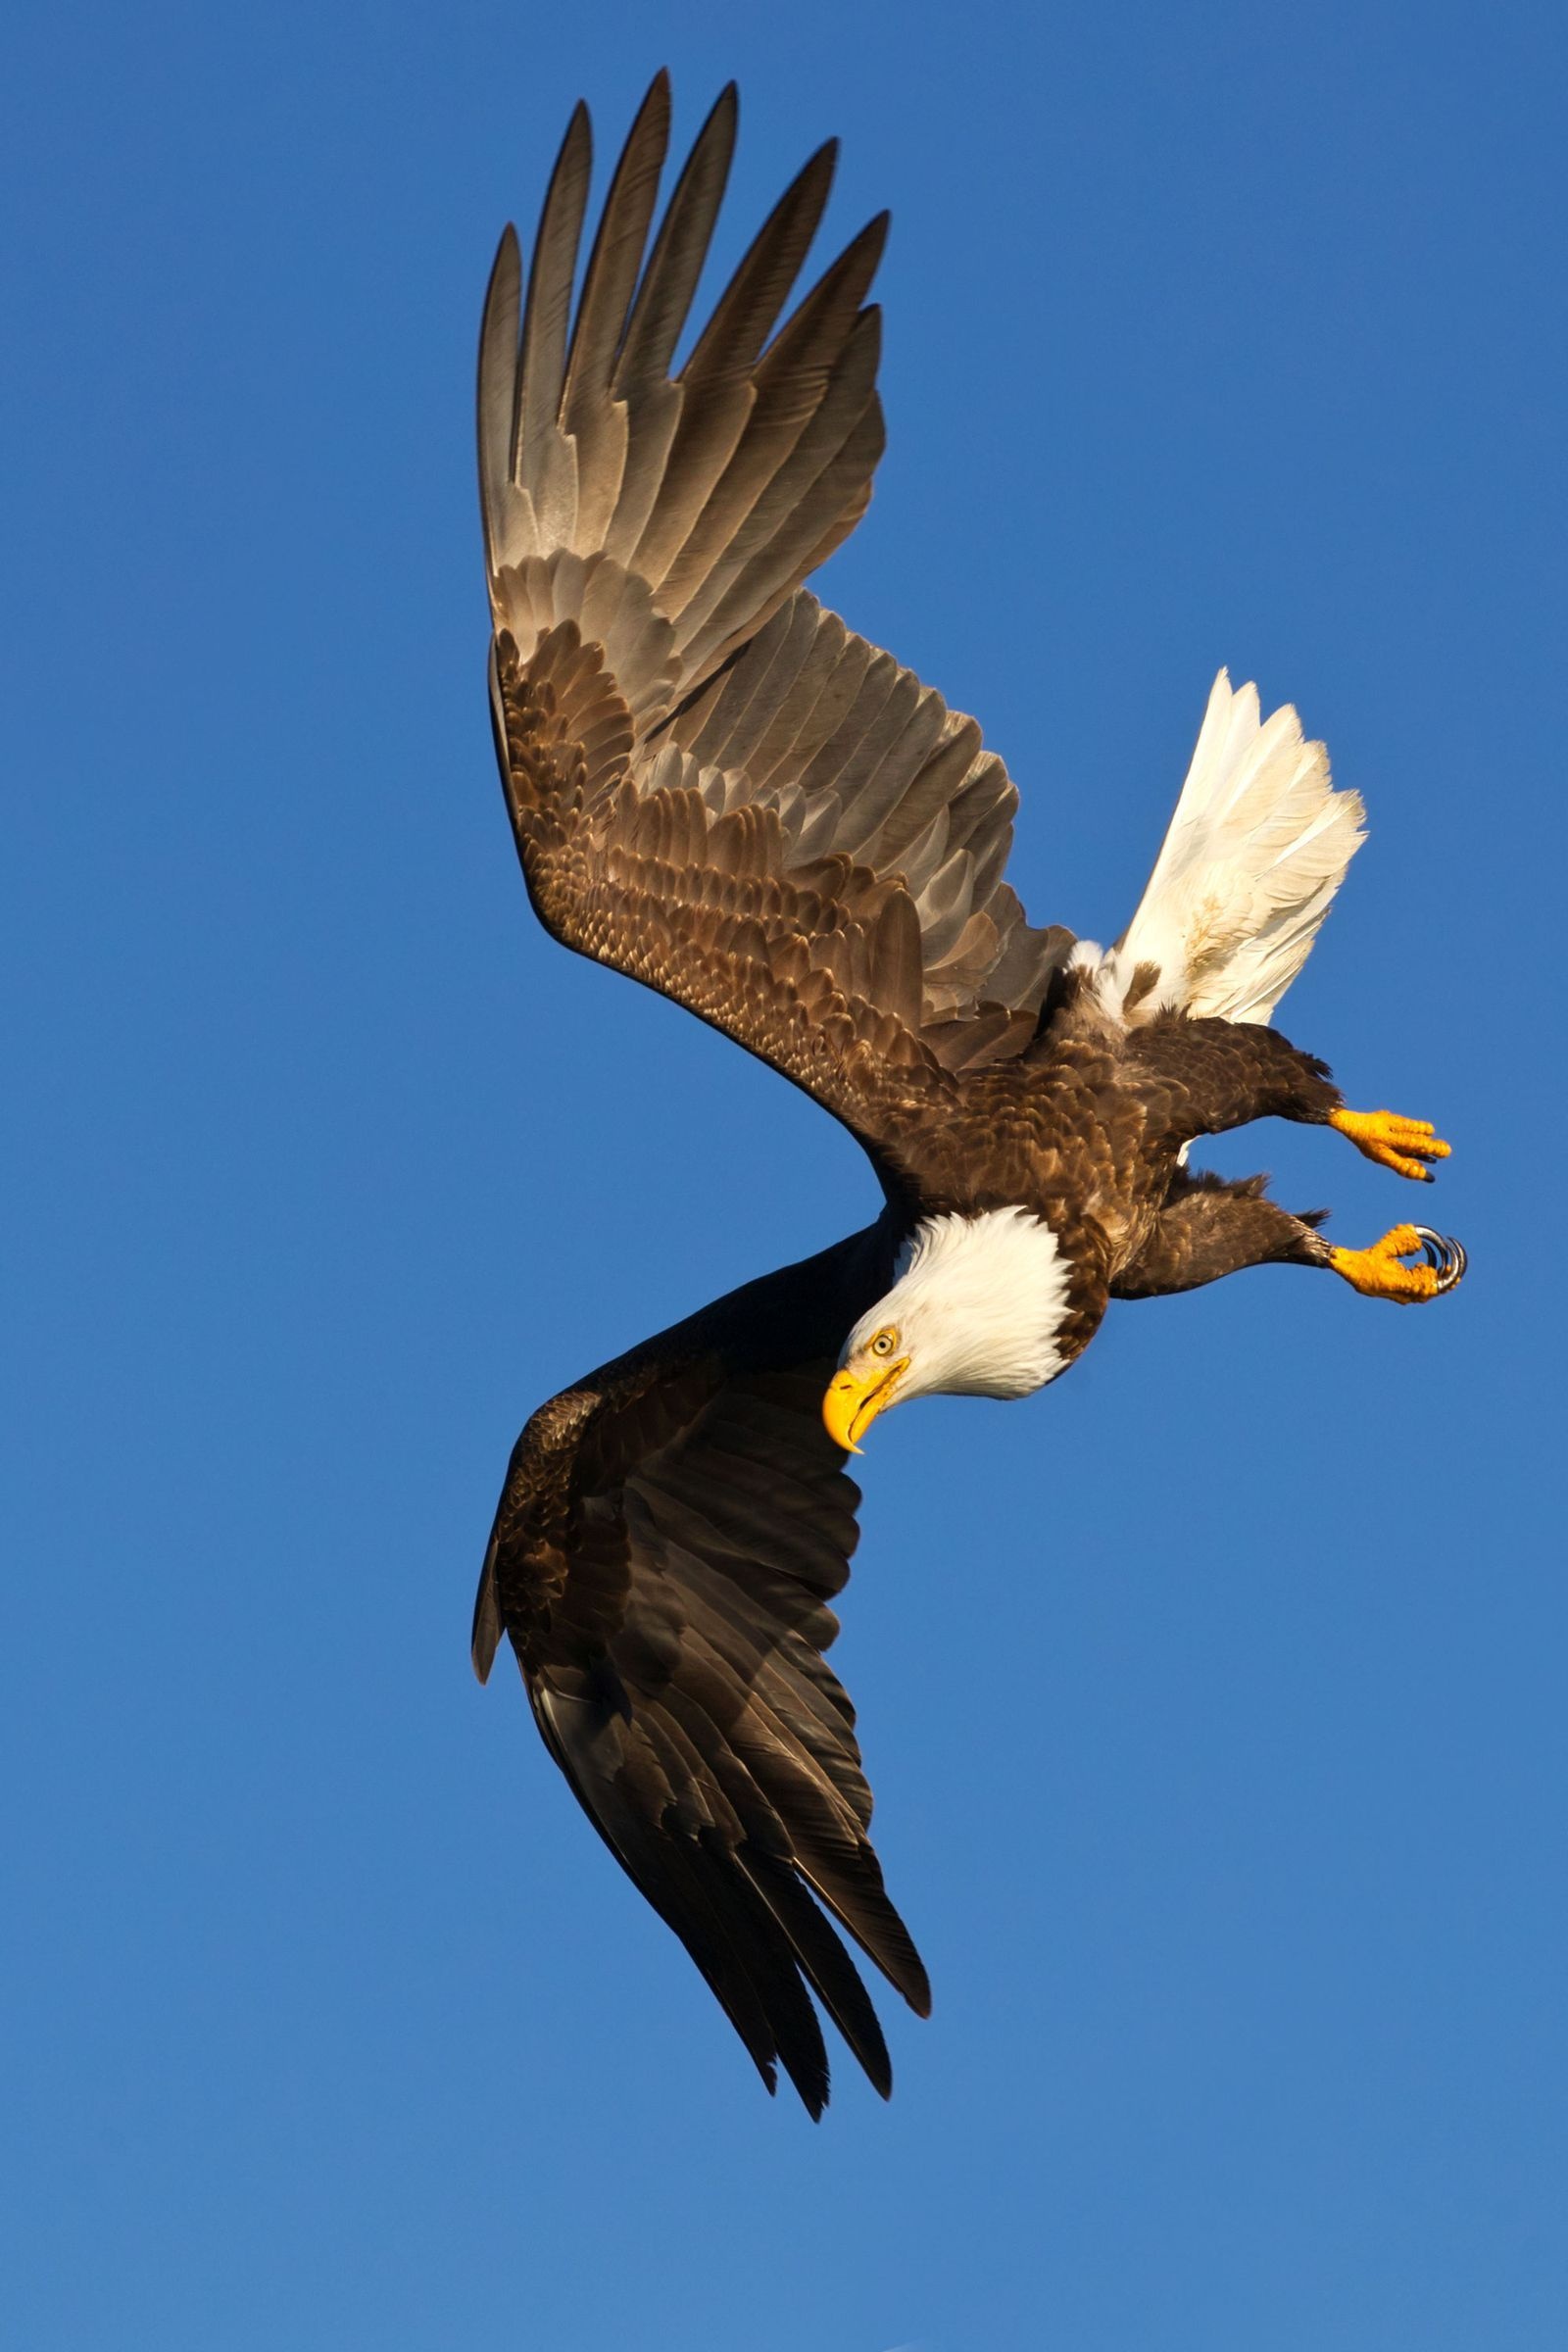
[[1214, 1699]]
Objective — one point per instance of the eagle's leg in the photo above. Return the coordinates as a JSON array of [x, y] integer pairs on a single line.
[[1204, 1077], [1214, 1075], [1209, 1227], [1401, 1145]]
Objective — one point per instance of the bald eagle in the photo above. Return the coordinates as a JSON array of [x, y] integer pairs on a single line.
[[717, 787]]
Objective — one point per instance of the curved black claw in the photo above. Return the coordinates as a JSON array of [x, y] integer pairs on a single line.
[[1445, 1255]]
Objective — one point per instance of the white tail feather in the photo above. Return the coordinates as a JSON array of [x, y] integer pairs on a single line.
[[1259, 844]]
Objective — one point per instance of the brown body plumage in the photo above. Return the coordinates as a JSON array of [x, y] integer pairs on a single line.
[[720, 790]]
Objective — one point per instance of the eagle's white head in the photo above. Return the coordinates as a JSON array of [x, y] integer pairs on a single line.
[[975, 1311]]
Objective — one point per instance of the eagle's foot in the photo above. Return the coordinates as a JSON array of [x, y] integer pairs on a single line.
[[1378, 1273], [1401, 1145]]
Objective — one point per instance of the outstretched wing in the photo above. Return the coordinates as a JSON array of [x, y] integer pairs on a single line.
[[669, 1537], [714, 784]]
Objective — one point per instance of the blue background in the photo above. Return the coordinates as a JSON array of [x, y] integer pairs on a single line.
[[1214, 1698]]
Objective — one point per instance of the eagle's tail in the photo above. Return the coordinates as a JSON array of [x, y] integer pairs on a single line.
[[1259, 844]]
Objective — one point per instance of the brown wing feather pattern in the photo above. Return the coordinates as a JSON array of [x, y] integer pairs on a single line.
[[864, 763], [662, 526], [814, 966], [669, 1537]]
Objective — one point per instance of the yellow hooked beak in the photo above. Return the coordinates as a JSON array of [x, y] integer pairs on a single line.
[[855, 1398]]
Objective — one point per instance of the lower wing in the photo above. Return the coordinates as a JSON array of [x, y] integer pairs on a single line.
[[668, 1539]]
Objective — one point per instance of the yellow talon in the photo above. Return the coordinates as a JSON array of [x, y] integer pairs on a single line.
[[1394, 1143], [1377, 1272]]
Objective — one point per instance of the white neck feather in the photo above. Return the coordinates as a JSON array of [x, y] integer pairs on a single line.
[[978, 1303]]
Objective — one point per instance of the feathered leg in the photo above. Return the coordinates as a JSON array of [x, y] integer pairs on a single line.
[[1209, 1227], [1203, 1077]]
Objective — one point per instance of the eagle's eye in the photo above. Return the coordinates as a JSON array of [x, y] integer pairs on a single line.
[[882, 1345]]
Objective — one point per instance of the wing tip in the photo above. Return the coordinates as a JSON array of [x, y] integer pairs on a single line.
[[485, 1638], [724, 116]]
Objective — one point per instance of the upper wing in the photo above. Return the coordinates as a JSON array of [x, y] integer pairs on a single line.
[[715, 785], [668, 1539]]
